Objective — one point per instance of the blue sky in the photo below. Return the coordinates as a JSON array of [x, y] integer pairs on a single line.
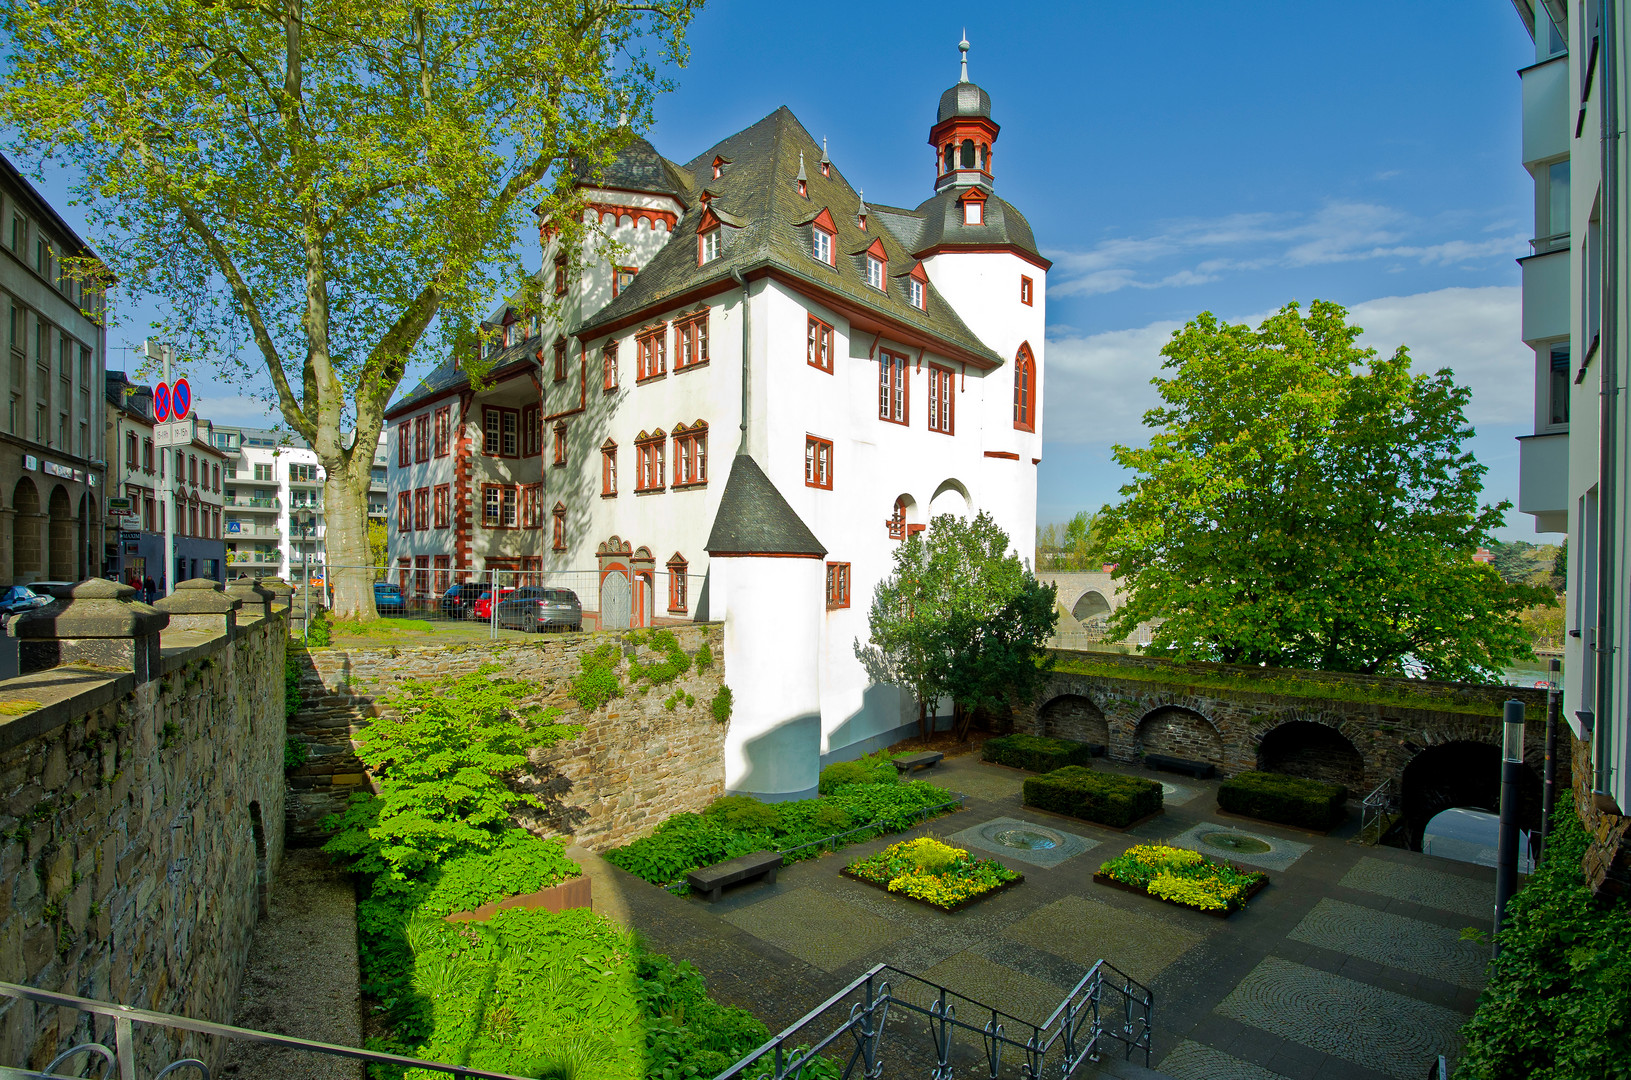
[[1172, 158]]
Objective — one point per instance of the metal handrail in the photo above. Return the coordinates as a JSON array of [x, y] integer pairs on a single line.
[[124, 1049], [1077, 1027]]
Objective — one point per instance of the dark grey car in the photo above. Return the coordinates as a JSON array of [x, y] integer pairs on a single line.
[[535, 609]]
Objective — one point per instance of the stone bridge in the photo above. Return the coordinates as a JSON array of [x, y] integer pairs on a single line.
[[1438, 743]]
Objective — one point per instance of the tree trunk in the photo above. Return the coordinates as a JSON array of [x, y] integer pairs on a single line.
[[923, 719], [345, 516]]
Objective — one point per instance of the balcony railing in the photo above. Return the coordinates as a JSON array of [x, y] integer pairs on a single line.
[[255, 504], [1542, 245], [260, 558]]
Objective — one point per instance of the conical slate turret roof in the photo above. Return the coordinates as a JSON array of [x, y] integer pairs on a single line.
[[754, 519]]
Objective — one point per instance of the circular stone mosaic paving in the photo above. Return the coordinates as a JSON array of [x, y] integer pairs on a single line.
[[1236, 843], [1025, 839]]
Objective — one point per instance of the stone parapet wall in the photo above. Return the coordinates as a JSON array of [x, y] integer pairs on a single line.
[[140, 820], [634, 764], [1607, 862]]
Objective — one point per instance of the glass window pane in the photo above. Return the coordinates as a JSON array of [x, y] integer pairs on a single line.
[[1557, 190]]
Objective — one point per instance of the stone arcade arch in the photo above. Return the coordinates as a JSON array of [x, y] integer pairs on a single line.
[[60, 560], [26, 556], [1313, 751], [1462, 773], [1089, 606], [1072, 716], [1180, 732]]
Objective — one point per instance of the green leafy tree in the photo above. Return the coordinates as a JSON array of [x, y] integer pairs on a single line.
[[1068, 546], [326, 191], [378, 548], [961, 617], [1307, 503]]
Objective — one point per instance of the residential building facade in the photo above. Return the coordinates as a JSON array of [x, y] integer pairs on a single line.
[[51, 466], [733, 403]]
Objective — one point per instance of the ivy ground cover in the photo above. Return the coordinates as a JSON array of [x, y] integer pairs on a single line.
[[1183, 877], [933, 872]]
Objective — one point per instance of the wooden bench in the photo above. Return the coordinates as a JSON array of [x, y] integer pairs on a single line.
[[1200, 770], [713, 879], [910, 763]]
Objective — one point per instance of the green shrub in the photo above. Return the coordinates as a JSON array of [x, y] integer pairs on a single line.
[[675, 661], [1558, 1002], [872, 769], [1306, 804], [597, 682], [291, 684], [705, 657], [721, 705], [1036, 753], [295, 753], [319, 631], [742, 812], [1106, 798]]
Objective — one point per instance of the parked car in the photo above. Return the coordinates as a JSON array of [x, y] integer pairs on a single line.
[[20, 598], [538, 609], [388, 599], [459, 602], [483, 607]]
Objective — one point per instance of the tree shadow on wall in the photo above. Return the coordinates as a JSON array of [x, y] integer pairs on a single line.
[[553, 813]]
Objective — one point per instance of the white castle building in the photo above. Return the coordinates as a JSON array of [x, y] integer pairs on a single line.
[[758, 383]]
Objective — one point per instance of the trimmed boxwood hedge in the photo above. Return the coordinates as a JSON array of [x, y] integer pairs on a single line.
[[1288, 800], [1036, 753], [1104, 798]]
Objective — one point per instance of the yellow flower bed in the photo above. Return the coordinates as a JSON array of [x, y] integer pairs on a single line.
[[934, 872], [1182, 876]]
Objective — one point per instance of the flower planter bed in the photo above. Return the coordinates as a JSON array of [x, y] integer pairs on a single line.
[[1183, 878], [932, 873]]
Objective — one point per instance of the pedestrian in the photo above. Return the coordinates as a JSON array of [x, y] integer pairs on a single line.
[[148, 591]]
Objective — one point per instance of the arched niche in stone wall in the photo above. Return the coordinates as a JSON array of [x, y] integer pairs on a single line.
[[1313, 751], [1073, 716], [1180, 732]]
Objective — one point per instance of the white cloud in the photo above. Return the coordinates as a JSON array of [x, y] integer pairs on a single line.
[[1098, 385]]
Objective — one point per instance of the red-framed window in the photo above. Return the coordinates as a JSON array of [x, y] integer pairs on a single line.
[[560, 275], [818, 345], [421, 509], [837, 585], [1025, 288], [622, 278], [876, 268], [817, 462], [558, 527], [651, 353], [404, 573], [691, 341], [894, 390], [500, 431], [691, 455], [649, 464], [942, 400], [560, 443], [897, 520], [608, 366], [532, 431], [404, 444], [532, 506], [499, 506], [1025, 390], [421, 575], [440, 583], [442, 433], [708, 245], [821, 245], [916, 294], [421, 438], [560, 359], [404, 511], [608, 468], [440, 497], [677, 568]]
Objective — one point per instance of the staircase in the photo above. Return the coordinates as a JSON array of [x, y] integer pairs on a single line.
[[889, 1022]]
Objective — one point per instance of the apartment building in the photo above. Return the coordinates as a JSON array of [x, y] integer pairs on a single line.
[[51, 470]]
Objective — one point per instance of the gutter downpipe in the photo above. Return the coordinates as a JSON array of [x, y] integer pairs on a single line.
[[747, 353], [1608, 449]]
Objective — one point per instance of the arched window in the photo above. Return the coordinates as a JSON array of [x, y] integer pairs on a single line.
[[968, 154], [1025, 390], [897, 520], [951, 157], [677, 581]]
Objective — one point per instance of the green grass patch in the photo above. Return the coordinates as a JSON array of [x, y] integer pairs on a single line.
[[1105, 798], [1035, 753], [19, 707], [381, 627], [1289, 800]]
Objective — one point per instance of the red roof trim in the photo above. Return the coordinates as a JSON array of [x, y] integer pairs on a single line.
[[824, 220], [1011, 249]]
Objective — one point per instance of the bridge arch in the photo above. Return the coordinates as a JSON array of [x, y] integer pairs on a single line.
[[1462, 772], [1073, 716], [1180, 732], [1314, 751], [1092, 604]]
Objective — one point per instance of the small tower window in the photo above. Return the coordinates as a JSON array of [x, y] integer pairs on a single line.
[[973, 212], [1025, 290], [968, 155], [914, 291], [951, 157], [821, 245]]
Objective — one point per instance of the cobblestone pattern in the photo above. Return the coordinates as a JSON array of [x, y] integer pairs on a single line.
[[1422, 885], [635, 763], [1388, 938], [1072, 717], [1386, 737], [129, 854]]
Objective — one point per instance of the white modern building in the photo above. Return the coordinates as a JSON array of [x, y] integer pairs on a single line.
[[747, 389]]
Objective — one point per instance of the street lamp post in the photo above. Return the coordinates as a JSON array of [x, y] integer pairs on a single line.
[[1506, 858]]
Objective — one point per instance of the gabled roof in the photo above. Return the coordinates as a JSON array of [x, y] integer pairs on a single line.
[[638, 167], [760, 190], [754, 519], [447, 376]]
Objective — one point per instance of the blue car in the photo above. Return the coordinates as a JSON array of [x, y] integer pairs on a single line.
[[388, 599]]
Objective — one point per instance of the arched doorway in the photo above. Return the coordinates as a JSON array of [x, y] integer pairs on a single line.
[[1314, 752], [60, 560], [950, 498], [1071, 716], [616, 599], [1179, 732], [1464, 774], [25, 533]]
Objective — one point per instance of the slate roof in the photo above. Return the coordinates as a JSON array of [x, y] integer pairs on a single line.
[[942, 218], [638, 167], [964, 99], [754, 519], [445, 376], [758, 189]]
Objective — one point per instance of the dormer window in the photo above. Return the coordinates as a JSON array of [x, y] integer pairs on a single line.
[[914, 292], [973, 213], [821, 245], [804, 188], [708, 246], [719, 167], [874, 272]]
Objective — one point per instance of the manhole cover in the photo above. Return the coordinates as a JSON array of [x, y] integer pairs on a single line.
[[1229, 841], [1027, 839]]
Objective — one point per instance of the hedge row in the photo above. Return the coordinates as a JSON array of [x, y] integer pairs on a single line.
[[1103, 798], [1288, 800], [1037, 753]]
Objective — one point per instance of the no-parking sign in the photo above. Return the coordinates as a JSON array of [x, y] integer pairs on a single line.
[[161, 402], [181, 399]]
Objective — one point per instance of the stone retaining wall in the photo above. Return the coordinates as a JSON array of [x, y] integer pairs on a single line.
[[634, 764]]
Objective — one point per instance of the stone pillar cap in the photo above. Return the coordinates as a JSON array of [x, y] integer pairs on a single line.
[[199, 596], [97, 608], [276, 586]]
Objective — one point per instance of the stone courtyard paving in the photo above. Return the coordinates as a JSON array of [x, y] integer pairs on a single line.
[[1349, 966]]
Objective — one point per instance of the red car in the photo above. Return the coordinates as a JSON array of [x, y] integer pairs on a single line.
[[483, 608]]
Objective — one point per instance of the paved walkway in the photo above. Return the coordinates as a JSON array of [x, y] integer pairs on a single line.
[[1348, 967]]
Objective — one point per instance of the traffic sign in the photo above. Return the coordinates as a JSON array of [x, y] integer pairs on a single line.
[[181, 399], [161, 402], [173, 433]]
